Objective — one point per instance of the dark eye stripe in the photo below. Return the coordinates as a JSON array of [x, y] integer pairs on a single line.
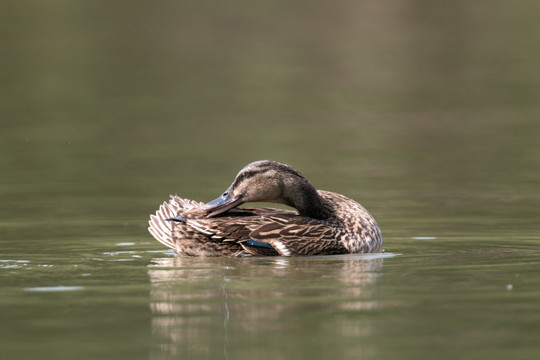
[[245, 175], [262, 169]]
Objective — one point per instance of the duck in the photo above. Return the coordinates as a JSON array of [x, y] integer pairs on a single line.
[[322, 222]]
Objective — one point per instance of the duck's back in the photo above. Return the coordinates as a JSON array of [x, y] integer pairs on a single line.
[[355, 227]]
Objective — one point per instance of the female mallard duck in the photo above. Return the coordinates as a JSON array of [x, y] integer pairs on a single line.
[[325, 223]]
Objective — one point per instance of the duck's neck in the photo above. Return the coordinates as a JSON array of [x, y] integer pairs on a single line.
[[305, 198]]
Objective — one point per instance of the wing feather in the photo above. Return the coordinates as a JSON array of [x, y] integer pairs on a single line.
[[287, 232], [291, 234]]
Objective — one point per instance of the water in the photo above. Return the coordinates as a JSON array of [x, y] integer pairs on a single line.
[[426, 113]]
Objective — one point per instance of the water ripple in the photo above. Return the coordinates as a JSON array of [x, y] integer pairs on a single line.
[[59, 288]]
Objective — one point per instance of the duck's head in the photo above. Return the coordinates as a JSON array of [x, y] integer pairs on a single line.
[[270, 181]]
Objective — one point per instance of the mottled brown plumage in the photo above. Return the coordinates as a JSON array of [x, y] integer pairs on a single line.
[[324, 223]]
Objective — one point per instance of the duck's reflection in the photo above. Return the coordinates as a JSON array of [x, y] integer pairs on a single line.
[[221, 307]]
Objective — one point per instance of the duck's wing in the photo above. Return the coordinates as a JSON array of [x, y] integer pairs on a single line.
[[233, 225], [162, 229], [267, 232], [294, 235]]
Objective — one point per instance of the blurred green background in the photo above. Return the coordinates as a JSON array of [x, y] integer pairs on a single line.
[[120, 102], [426, 112]]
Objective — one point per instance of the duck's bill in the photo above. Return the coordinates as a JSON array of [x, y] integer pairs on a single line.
[[222, 204]]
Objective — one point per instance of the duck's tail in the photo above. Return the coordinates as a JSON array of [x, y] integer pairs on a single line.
[[161, 227]]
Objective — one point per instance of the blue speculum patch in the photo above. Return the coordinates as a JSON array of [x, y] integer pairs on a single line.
[[258, 243]]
